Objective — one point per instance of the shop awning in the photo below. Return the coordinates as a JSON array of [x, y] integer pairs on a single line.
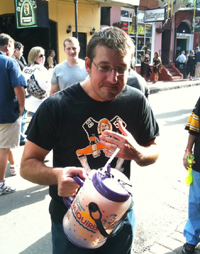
[[107, 3]]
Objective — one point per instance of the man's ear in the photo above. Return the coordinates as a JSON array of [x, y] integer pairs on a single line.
[[87, 65], [6, 48]]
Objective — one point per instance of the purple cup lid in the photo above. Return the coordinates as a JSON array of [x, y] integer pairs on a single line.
[[111, 187]]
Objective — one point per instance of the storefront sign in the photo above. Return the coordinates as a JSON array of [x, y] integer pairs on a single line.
[[26, 13], [125, 27], [155, 15], [31, 13], [197, 24]]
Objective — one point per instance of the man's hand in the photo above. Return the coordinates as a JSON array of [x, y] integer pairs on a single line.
[[125, 141], [129, 148], [185, 163], [67, 187], [21, 110]]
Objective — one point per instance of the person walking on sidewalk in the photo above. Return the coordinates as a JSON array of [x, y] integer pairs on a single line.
[[12, 97], [36, 59], [191, 65], [18, 53], [197, 58], [181, 59], [70, 71], [105, 109], [157, 67], [192, 227]]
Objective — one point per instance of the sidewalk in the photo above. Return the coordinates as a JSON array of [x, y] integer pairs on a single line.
[[168, 85], [170, 243]]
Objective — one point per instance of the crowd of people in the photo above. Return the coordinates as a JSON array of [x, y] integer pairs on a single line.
[[145, 66], [189, 64], [68, 102]]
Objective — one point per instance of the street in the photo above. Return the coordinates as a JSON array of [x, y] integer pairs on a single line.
[[160, 192], [160, 189]]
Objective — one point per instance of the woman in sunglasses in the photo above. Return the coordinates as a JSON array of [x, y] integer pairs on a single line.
[[37, 73]]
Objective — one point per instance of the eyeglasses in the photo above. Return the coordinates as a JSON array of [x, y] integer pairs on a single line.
[[40, 56], [107, 70]]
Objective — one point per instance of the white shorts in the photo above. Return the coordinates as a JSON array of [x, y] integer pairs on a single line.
[[10, 134]]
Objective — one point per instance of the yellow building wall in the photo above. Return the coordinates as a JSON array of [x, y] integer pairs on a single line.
[[7, 7], [63, 13]]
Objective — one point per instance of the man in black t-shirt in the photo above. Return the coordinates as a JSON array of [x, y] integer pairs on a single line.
[[83, 124]]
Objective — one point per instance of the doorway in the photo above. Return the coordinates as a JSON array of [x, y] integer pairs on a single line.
[[181, 45], [166, 37], [83, 44]]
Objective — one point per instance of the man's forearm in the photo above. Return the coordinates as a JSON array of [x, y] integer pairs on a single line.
[[191, 141], [36, 171], [147, 155], [20, 94]]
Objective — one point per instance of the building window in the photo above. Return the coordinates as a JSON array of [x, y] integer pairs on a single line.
[[144, 32]]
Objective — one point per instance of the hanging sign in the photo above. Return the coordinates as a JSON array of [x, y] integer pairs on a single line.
[[197, 23], [31, 13], [26, 13], [155, 15]]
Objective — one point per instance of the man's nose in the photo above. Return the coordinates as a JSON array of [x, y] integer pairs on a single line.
[[112, 76]]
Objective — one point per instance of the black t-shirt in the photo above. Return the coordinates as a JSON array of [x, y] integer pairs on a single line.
[[70, 122]]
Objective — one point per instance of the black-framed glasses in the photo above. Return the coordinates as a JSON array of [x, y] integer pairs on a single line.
[[107, 70], [40, 56]]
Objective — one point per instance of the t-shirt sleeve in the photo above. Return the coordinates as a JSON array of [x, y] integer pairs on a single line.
[[16, 77], [148, 126], [193, 123], [54, 79]]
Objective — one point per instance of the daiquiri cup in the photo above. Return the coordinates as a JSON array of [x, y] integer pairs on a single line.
[[98, 209]]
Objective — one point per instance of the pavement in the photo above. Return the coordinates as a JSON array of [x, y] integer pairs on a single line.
[[176, 238]]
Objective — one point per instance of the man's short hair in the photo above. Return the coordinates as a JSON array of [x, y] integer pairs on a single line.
[[18, 45], [113, 38], [5, 39], [71, 40]]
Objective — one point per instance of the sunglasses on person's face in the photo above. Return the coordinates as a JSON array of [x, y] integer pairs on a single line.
[[40, 56]]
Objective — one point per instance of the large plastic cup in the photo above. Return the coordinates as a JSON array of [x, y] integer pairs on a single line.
[[111, 193]]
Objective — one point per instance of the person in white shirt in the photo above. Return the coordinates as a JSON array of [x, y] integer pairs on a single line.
[[181, 59], [36, 59]]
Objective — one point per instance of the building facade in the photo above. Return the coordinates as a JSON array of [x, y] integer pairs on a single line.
[[61, 17]]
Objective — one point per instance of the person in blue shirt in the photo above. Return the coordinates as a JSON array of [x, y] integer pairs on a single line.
[[12, 97]]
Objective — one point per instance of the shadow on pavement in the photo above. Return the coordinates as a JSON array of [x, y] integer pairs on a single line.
[[175, 114], [22, 198], [42, 246]]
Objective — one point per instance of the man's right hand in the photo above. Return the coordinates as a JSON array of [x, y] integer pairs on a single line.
[[67, 187]]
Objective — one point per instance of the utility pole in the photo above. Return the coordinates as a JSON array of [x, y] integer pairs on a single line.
[[76, 17]]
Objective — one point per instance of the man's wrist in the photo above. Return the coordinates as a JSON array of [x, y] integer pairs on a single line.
[[188, 150]]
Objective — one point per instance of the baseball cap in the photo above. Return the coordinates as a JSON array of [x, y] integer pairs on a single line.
[[197, 48]]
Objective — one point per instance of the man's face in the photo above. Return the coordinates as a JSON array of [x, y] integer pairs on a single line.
[[105, 86], [10, 49], [71, 50], [18, 53]]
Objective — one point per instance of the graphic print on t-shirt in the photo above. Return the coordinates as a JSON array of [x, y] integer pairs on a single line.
[[93, 130]]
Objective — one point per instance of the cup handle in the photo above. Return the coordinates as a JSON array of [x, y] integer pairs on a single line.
[[68, 200]]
